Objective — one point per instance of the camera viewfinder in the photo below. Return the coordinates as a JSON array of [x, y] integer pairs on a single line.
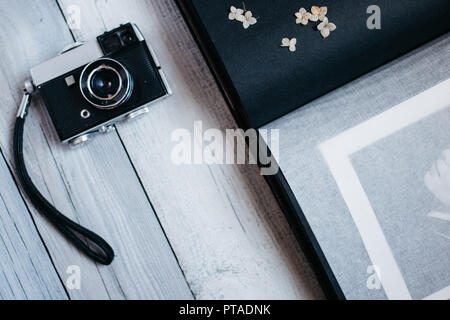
[[118, 39], [111, 44]]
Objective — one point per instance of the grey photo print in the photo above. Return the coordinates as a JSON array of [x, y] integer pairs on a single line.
[[437, 180]]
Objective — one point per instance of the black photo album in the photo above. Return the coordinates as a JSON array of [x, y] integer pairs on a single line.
[[363, 112]]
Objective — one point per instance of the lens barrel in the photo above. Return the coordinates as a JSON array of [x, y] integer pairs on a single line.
[[106, 83]]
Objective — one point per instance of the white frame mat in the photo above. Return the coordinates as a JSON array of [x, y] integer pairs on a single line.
[[336, 152]]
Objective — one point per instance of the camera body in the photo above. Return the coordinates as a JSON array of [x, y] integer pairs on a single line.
[[91, 86]]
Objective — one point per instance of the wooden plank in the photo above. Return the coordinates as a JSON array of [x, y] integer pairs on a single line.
[[96, 185], [26, 271], [223, 222]]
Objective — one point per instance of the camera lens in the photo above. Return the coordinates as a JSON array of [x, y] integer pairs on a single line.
[[106, 83]]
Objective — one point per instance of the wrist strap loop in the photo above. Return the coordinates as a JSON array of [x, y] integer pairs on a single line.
[[82, 238]]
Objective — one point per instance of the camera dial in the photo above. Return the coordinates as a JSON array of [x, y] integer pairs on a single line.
[[106, 83]]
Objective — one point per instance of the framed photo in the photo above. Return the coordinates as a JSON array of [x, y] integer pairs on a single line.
[[398, 198]]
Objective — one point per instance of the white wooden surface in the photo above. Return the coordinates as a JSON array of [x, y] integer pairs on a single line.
[[26, 271], [205, 232]]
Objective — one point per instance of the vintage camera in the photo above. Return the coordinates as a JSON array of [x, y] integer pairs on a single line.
[[92, 85]]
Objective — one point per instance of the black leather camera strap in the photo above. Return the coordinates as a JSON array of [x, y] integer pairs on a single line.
[[87, 241]]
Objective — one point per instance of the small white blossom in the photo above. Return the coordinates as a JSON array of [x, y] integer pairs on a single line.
[[235, 13], [289, 43], [318, 13], [326, 27], [247, 19], [302, 17]]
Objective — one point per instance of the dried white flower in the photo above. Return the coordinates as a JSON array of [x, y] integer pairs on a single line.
[[247, 19], [318, 13], [302, 17], [289, 43], [235, 13], [326, 27]]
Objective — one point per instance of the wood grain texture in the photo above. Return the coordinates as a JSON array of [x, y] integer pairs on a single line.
[[95, 185], [229, 235], [26, 271]]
